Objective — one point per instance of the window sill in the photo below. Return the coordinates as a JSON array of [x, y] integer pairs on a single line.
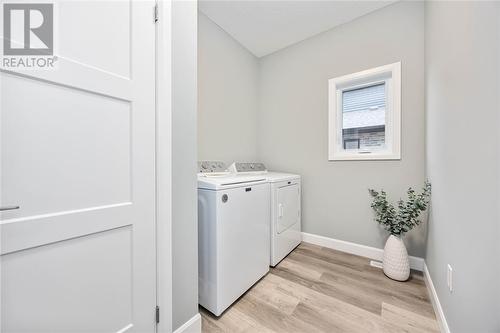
[[365, 157]]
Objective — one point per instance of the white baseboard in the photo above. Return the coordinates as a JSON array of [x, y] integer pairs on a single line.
[[443, 324], [374, 253], [193, 325]]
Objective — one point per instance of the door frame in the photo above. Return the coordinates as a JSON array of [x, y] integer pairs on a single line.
[[164, 165]]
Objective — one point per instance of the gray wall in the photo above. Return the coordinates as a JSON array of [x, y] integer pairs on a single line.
[[184, 168], [294, 112], [228, 85], [463, 149]]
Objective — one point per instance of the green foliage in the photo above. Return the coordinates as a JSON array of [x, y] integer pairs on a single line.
[[405, 217]]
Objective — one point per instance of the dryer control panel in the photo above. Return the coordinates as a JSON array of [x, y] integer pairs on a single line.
[[239, 167]]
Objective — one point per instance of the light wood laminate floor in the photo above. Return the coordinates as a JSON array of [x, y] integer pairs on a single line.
[[316, 289]]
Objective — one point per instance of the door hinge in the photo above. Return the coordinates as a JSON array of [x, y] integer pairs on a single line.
[[157, 315], [156, 13]]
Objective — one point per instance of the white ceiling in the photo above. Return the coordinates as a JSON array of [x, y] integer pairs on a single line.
[[265, 26]]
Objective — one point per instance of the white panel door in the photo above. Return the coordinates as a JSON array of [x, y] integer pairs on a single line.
[[78, 158]]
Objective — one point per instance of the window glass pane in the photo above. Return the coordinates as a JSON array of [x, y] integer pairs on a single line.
[[363, 118]]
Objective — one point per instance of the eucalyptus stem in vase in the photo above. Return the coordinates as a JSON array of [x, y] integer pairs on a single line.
[[398, 221]]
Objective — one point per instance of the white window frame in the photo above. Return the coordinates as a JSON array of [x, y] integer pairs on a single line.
[[391, 76]]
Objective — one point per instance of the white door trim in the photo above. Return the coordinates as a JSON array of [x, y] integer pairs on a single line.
[[164, 164]]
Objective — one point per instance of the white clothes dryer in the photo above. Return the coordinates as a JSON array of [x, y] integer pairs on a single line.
[[285, 208]]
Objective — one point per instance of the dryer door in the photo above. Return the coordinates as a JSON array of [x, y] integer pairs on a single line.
[[288, 206]]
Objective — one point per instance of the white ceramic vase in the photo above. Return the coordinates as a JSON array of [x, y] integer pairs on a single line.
[[396, 262]]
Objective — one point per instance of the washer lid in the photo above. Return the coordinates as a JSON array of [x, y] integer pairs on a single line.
[[224, 182]]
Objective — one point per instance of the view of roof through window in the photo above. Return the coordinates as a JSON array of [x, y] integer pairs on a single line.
[[363, 111]]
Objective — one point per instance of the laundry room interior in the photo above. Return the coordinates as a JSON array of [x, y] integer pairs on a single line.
[[249, 166], [333, 99]]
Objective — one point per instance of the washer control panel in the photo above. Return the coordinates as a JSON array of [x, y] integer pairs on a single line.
[[239, 167], [211, 167]]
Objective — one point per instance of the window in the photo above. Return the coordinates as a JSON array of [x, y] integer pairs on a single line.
[[365, 115]]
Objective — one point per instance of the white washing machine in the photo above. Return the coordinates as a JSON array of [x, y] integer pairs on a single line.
[[285, 212], [233, 234]]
